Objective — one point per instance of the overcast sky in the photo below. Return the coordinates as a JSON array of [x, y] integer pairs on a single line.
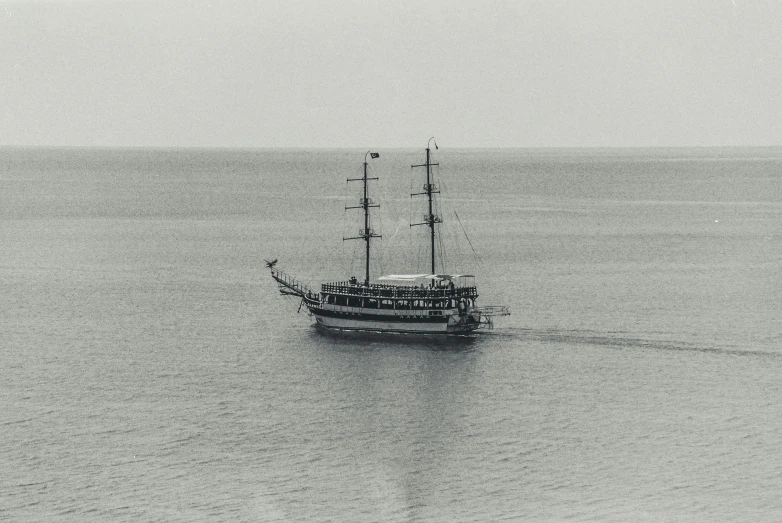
[[385, 74]]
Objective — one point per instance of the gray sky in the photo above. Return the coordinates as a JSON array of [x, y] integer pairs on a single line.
[[385, 74]]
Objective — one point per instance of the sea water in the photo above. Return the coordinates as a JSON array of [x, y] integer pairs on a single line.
[[151, 371]]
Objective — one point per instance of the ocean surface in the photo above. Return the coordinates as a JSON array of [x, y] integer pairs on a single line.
[[152, 372]]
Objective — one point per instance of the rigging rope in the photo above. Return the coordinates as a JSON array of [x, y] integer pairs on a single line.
[[465, 235]]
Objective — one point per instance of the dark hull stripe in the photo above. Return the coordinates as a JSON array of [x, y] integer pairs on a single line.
[[378, 317], [368, 328]]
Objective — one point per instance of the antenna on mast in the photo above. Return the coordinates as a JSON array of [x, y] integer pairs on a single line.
[[429, 189], [365, 203]]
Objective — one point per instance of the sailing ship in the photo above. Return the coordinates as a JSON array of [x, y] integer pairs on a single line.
[[429, 303]]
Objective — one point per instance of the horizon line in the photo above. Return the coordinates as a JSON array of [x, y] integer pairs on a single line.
[[345, 147]]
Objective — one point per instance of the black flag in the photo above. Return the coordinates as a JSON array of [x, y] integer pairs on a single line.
[[374, 155]]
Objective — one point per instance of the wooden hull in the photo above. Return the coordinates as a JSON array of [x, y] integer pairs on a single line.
[[418, 324]]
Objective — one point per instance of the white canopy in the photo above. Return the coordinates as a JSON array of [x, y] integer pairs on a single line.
[[402, 277], [414, 277]]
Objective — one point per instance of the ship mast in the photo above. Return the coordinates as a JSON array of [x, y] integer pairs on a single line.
[[365, 203], [429, 189]]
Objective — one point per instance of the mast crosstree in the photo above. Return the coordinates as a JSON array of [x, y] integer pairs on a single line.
[[365, 203], [429, 189]]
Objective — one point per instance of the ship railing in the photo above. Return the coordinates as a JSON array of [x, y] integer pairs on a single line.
[[493, 310], [391, 291]]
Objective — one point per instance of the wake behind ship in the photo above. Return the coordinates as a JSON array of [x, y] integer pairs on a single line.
[[430, 303]]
